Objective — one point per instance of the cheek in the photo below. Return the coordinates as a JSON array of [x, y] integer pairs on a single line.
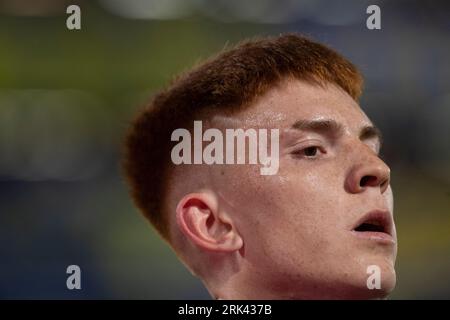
[[317, 194], [294, 198], [291, 207], [297, 202]]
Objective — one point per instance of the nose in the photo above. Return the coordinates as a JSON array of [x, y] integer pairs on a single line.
[[369, 172]]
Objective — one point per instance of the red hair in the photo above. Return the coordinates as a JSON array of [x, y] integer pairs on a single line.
[[226, 83]]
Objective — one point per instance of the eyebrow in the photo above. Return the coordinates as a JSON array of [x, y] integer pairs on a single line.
[[371, 132], [329, 127], [335, 129]]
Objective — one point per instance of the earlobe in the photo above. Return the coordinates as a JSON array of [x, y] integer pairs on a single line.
[[199, 219]]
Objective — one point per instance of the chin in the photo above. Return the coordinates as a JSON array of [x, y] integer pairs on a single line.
[[387, 283]]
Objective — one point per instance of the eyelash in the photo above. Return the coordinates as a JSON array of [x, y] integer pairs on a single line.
[[301, 153]]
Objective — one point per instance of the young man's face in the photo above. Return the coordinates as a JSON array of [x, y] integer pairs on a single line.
[[298, 226]]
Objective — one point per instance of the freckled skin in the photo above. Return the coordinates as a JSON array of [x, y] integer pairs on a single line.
[[295, 224]]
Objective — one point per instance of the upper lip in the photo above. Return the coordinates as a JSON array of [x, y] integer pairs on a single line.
[[379, 218]]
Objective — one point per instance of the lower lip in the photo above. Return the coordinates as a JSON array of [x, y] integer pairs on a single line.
[[381, 237]]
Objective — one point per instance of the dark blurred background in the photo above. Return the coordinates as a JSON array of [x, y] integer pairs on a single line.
[[66, 98]]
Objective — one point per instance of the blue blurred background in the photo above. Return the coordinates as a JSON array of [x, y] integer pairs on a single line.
[[66, 98]]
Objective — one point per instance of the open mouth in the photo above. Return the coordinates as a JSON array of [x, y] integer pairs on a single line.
[[375, 225], [371, 226]]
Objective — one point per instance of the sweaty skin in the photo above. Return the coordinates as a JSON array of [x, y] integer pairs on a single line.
[[296, 226]]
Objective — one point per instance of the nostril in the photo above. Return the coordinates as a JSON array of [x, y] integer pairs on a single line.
[[367, 180]]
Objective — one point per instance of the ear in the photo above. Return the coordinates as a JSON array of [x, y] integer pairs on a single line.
[[200, 220]]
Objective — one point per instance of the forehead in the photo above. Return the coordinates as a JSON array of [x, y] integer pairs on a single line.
[[292, 100]]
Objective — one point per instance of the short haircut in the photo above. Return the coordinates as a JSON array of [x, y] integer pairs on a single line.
[[224, 84]]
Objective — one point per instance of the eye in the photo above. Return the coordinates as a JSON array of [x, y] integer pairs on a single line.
[[310, 152]]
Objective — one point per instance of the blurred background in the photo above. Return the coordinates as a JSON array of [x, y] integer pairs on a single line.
[[66, 98]]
